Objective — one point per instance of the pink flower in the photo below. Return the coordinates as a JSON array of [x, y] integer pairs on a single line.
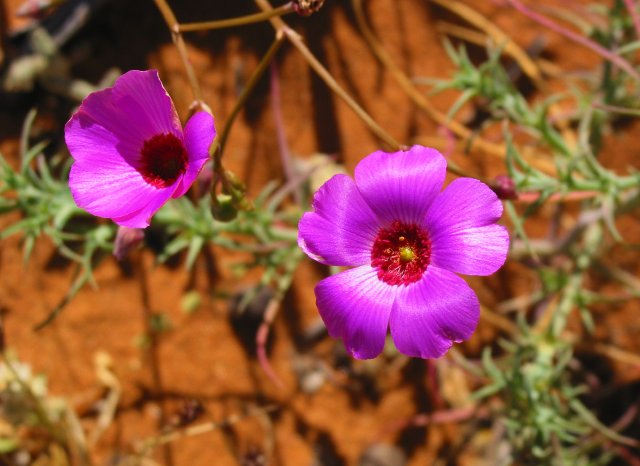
[[406, 241], [130, 152]]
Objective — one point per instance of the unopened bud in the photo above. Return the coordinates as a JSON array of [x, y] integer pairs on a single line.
[[504, 187], [205, 179], [223, 208], [126, 240], [307, 7]]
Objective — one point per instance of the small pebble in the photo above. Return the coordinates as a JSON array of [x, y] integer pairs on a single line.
[[382, 454]]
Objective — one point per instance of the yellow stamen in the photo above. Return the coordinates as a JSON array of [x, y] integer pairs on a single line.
[[407, 254]]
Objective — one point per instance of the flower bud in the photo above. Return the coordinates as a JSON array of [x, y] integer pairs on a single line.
[[223, 208], [504, 187], [307, 7], [126, 240]]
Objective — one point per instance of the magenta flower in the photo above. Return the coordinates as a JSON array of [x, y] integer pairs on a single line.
[[130, 153], [407, 240]]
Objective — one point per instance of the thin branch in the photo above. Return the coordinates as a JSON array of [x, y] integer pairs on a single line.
[[285, 154], [295, 39], [178, 40], [510, 47], [200, 429], [597, 48], [480, 39], [529, 67], [422, 102], [220, 142], [241, 21], [418, 98]]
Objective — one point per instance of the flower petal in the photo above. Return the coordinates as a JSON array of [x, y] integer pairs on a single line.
[[431, 314], [107, 190], [355, 306], [198, 136], [401, 185], [461, 225], [133, 111], [98, 117], [91, 143], [342, 228], [103, 179], [142, 217], [141, 96]]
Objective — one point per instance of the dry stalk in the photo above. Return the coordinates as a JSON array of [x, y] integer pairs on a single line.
[[180, 44]]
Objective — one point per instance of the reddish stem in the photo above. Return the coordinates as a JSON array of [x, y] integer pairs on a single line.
[[635, 16], [261, 341], [625, 453], [433, 384]]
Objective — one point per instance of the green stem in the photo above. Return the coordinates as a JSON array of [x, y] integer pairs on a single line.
[[519, 227], [588, 250], [566, 305]]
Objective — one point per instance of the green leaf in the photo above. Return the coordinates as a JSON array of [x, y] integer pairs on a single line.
[[175, 246], [24, 140], [195, 246]]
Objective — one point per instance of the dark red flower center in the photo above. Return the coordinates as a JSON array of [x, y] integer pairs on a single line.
[[401, 253], [163, 160]]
